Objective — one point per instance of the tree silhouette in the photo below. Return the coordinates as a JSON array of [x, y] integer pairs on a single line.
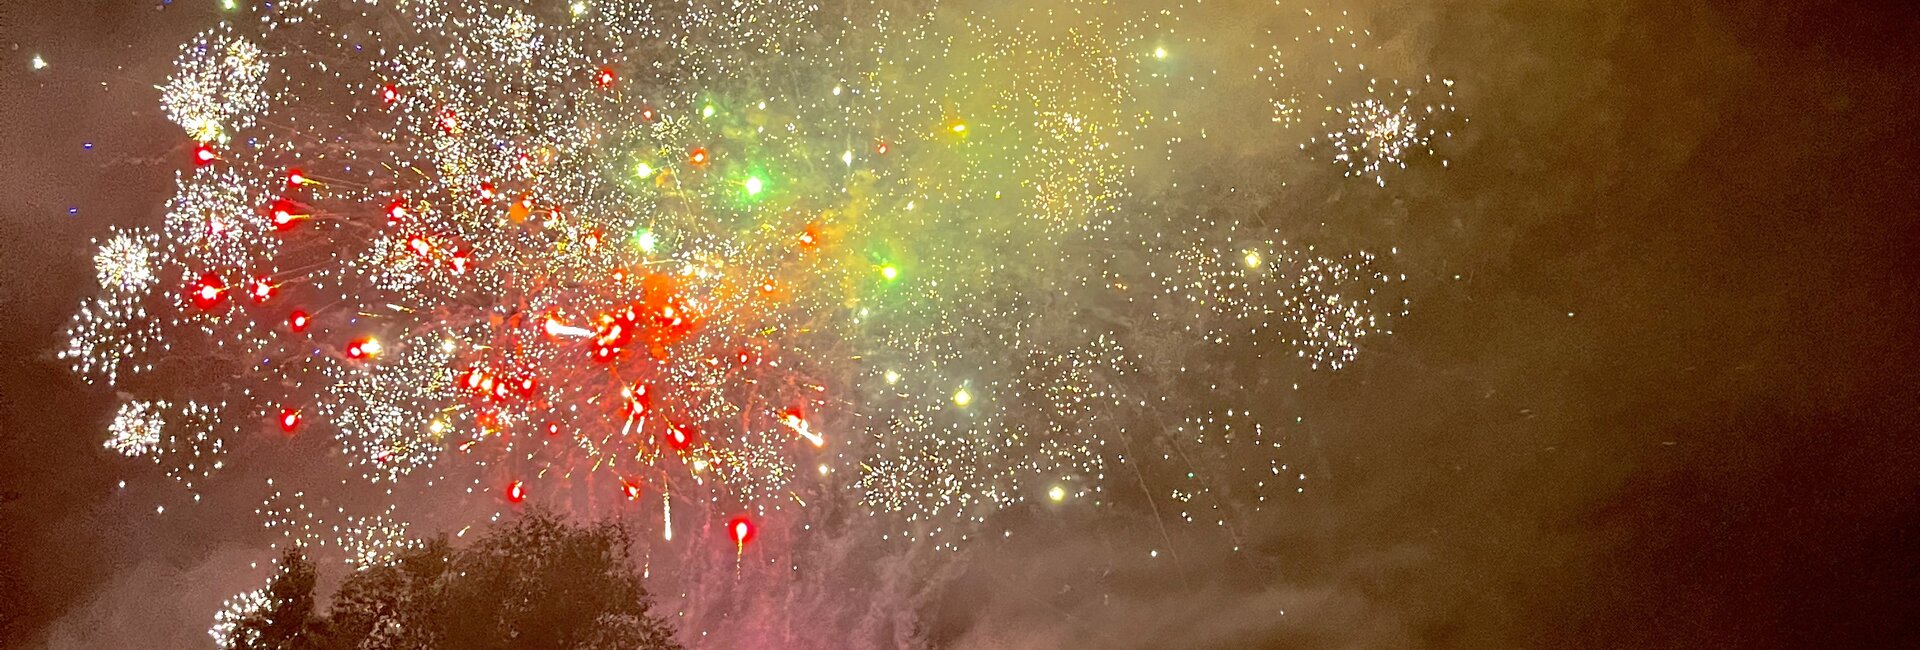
[[534, 582], [287, 620]]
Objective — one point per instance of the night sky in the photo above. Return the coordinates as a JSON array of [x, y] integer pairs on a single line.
[[1655, 389]]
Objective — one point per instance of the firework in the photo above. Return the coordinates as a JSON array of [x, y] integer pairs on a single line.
[[186, 439], [361, 541], [125, 263], [219, 86], [747, 257], [136, 429], [1367, 125], [226, 630]]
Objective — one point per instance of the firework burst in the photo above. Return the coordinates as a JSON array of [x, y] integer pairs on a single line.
[[726, 258]]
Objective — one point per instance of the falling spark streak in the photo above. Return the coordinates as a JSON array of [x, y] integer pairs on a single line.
[[799, 426], [556, 328]]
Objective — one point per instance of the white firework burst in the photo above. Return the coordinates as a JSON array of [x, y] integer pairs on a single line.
[[136, 428], [381, 414], [374, 541], [125, 263], [182, 439], [226, 630], [1378, 136], [107, 337], [219, 86], [213, 218]]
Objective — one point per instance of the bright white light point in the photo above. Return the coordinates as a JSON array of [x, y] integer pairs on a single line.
[[824, 470], [1057, 493], [754, 185], [229, 5], [647, 240], [1159, 52], [39, 63], [446, 345], [892, 378], [1253, 259], [643, 170], [962, 397], [578, 8], [847, 158], [1153, 553]]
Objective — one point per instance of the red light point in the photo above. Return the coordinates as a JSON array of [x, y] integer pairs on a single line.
[[698, 156], [297, 320], [208, 292], [390, 94], [295, 178], [516, 492], [284, 215], [605, 78], [638, 400], [678, 436], [363, 348], [203, 154], [262, 290], [396, 211], [289, 419], [742, 531]]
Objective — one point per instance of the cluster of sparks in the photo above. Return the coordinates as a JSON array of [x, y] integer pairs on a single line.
[[1379, 126], [361, 540], [1322, 307], [185, 439], [736, 257], [226, 630]]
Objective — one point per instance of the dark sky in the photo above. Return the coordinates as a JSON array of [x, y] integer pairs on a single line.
[[1668, 403]]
